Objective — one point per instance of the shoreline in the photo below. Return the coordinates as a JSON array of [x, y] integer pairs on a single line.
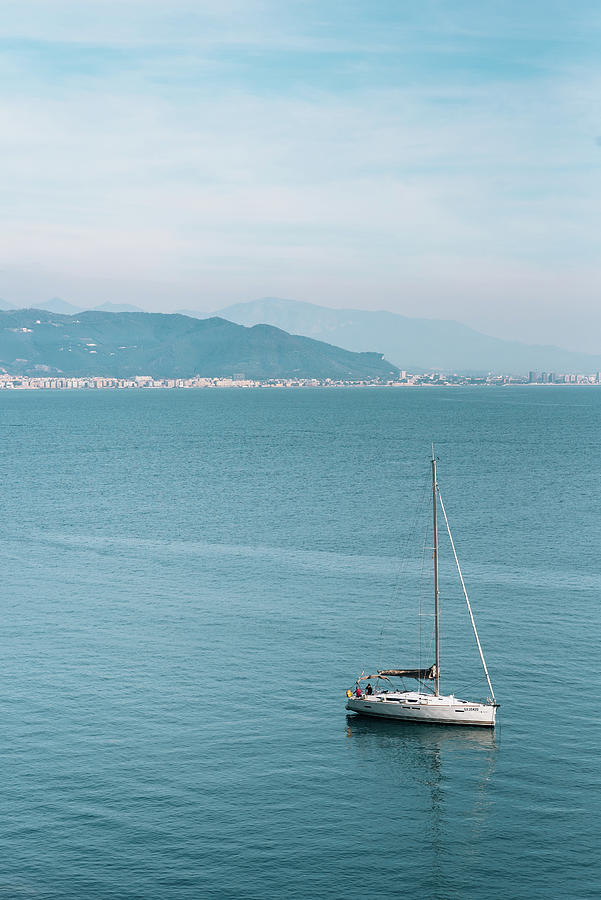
[[145, 383]]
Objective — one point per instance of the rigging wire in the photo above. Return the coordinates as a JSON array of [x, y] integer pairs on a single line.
[[467, 599]]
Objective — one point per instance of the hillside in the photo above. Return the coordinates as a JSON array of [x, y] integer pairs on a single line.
[[412, 344], [34, 341]]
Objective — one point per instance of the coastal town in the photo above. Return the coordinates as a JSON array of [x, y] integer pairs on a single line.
[[10, 382]]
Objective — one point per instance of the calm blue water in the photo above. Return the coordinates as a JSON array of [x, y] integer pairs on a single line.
[[191, 580]]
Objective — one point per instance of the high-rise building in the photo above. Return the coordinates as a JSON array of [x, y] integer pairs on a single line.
[[531, 377]]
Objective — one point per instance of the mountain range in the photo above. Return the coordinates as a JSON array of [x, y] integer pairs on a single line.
[[35, 342], [416, 345], [413, 344], [58, 305]]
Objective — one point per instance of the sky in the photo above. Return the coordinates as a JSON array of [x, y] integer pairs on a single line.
[[434, 158]]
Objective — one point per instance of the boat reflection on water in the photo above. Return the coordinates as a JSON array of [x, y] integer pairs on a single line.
[[455, 766], [397, 736]]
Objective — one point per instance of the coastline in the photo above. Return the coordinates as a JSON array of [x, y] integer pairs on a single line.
[[145, 382]]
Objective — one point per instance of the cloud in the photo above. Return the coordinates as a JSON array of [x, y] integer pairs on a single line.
[[122, 22], [240, 148]]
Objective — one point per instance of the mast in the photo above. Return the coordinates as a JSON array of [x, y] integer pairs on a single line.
[[435, 532]]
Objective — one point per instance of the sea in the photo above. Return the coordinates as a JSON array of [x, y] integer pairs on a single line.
[[191, 581]]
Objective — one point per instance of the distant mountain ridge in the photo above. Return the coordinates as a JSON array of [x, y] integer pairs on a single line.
[[416, 345], [34, 342], [58, 305]]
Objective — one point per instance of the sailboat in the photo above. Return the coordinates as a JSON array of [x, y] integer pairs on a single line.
[[426, 704]]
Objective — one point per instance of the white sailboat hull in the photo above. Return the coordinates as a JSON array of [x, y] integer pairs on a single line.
[[411, 706]]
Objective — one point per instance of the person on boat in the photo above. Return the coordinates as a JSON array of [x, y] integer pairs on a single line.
[[369, 690], [357, 690]]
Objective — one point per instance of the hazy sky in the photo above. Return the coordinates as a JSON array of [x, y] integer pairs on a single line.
[[432, 158]]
